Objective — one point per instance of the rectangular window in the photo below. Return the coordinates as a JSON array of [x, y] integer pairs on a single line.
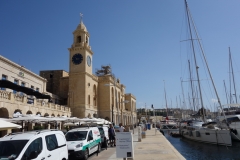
[[15, 82], [4, 77], [89, 99]]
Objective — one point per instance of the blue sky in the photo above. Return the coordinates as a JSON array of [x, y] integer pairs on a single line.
[[140, 39]]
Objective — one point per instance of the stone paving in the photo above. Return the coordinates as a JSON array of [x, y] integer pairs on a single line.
[[153, 147]]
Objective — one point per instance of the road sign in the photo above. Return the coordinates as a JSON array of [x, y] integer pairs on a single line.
[[124, 145]]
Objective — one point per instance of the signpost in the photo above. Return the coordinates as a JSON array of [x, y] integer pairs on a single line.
[[124, 145]]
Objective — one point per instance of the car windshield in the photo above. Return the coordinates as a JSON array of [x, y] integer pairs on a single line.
[[11, 149], [76, 136]]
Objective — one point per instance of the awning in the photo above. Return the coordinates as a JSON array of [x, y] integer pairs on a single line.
[[26, 90], [4, 125]]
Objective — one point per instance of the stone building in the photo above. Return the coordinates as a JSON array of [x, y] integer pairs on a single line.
[[87, 94]]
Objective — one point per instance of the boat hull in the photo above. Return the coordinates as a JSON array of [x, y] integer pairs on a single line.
[[219, 137]]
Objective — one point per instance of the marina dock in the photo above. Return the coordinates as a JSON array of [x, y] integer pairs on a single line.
[[153, 147]]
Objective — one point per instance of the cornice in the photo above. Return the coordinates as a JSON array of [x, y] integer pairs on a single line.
[[81, 46]]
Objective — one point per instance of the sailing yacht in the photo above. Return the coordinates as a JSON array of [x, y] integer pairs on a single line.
[[232, 112], [197, 130]]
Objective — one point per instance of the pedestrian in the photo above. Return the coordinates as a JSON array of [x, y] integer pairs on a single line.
[[121, 128], [111, 134]]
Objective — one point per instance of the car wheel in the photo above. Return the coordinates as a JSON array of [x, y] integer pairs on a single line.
[[86, 154], [99, 148]]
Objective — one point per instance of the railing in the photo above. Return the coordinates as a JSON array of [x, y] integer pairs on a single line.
[[18, 97], [9, 96], [4, 94]]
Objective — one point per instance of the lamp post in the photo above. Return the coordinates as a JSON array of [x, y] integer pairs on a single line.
[[154, 118]]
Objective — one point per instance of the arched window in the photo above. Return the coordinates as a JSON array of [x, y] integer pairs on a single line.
[[119, 100], [94, 95], [89, 100], [29, 112], [79, 39], [46, 114], [132, 106], [4, 113], [112, 96], [38, 113]]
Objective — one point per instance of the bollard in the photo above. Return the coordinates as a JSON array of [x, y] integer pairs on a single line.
[[143, 134], [139, 133]]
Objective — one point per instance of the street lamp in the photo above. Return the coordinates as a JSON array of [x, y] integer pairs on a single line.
[[154, 118]]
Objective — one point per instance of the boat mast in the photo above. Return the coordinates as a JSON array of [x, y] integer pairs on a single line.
[[226, 92], [194, 27], [184, 102], [230, 59], [194, 54], [193, 98], [166, 100]]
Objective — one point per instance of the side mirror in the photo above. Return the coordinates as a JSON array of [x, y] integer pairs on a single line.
[[33, 155]]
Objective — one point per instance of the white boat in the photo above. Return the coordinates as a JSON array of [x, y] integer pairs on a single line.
[[207, 135]]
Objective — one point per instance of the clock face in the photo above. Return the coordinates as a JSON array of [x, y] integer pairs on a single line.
[[77, 58], [89, 61]]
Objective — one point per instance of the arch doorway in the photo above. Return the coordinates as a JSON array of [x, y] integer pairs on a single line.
[[4, 113], [29, 112]]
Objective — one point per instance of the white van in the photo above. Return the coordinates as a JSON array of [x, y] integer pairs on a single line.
[[37, 145], [82, 142]]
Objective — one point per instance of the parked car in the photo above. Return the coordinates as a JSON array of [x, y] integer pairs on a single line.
[[82, 142], [104, 135], [38, 145]]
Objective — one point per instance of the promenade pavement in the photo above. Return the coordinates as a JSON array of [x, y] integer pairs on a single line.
[[153, 147]]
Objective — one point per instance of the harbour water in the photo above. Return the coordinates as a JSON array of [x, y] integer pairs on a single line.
[[192, 150]]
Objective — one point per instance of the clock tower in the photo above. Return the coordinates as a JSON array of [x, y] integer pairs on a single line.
[[80, 71]]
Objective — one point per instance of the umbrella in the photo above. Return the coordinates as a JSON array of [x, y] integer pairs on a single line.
[[90, 120], [4, 125], [32, 119]]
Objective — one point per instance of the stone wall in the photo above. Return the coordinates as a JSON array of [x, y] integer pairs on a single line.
[[11, 103]]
